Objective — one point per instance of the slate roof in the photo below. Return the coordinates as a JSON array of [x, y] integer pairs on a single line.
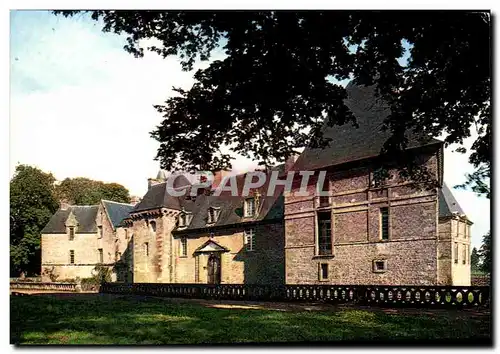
[[447, 203], [117, 211], [350, 143], [157, 196], [231, 207], [85, 215]]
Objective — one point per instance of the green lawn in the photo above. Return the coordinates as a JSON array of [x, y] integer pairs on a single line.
[[107, 319]]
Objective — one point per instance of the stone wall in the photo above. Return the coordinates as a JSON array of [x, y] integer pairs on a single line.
[[263, 265], [157, 264], [410, 253], [56, 250], [460, 268]]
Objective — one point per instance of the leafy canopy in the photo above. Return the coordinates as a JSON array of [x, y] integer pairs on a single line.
[[84, 191], [485, 253], [32, 203], [278, 82], [474, 259]]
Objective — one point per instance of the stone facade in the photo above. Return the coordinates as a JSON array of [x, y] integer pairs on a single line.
[[69, 257], [410, 252], [360, 232], [454, 251], [158, 257]]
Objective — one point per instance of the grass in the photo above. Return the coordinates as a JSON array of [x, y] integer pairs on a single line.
[[107, 319]]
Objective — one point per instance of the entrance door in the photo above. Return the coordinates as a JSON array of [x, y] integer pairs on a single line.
[[213, 268]]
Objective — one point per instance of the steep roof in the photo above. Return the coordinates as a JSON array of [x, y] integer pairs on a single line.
[[448, 205], [84, 214], [117, 211], [158, 197], [350, 143], [231, 207]]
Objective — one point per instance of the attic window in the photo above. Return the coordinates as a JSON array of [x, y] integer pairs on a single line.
[[213, 214], [249, 207], [184, 219], [71, 233]]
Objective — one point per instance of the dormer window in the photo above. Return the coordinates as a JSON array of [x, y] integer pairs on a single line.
[[213, 214], [249, 208], [71, 233], [184, 219]]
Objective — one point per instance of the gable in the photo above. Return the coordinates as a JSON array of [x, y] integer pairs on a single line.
[[211, 246], [85, 217]]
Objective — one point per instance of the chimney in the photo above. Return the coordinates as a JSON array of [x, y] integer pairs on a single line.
[[152, 182], [63, 204], [134, 200], [290, 161]]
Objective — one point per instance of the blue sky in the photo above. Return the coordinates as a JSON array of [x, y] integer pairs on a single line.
[[81, 106]]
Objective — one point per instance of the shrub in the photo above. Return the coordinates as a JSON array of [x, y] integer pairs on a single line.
[[51, 273]]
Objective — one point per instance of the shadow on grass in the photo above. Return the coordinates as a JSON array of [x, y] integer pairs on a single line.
[[109, 319]]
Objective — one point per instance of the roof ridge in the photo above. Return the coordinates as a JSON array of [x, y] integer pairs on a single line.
[[112, 201]]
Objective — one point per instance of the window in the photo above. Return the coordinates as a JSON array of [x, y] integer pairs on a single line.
[[456, 252], [183, 246], [71, 233], [146, 249], [379, 265], [153, 226], [213, 214], [249, 207], [323, 271], [464, 254], [384, 222], [100, 231], [250, 239], [71, 257], [325, 200], [324, 233], [126, 234], [101, 255], [182, 219]]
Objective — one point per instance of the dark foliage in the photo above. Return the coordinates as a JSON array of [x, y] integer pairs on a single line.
[[474, 260], [84, 191], [32, 203], [278, 82], [485, 253]]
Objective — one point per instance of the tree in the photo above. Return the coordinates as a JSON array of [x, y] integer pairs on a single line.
[[279, 82], [474, 259], [84, 191], [32, 203], [485, 253]]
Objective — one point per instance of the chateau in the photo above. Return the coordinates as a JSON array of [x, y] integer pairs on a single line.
[[395, 233]]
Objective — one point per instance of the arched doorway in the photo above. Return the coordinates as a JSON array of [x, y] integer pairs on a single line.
[[213, 268]]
